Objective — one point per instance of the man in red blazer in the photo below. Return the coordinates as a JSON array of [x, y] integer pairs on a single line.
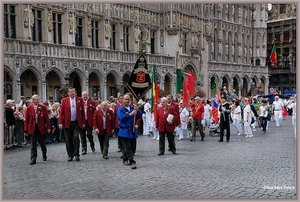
[[120, 103], [87, 131], [164, 127], [72, 119], [104, 124], [37, 124]]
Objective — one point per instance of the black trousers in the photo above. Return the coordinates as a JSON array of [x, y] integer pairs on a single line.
[[86, 132], [104, 143], [263, 122], [127, 147], [225, 126], [41, 139], [72, 139], [171, 140]]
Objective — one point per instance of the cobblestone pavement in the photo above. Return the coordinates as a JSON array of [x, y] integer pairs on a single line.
[[260, 167]]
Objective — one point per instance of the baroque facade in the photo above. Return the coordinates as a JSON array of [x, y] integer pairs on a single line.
[[94, 47], [282, 31]]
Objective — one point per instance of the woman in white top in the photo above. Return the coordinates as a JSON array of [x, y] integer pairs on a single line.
[[263, 114], [247, 118], [292, 105], [237, 116], [182, 130]]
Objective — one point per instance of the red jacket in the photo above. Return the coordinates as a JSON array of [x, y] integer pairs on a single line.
[[43, 121], [91, 107], [98, 121], [115, 112], [65, 112], [197, 111], [161, 119]]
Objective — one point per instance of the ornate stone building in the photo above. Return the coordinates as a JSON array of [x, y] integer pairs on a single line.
[[94, 47], [282, 31]]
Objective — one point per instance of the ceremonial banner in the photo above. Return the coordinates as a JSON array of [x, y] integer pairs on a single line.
[[139, 82]]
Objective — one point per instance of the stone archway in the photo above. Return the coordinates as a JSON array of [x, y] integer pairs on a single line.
[[94, 88], [126, 78], [236, 86], [75, 82], [111, 86], [53, 85], [8, 86], [29, 84], [167, 85]]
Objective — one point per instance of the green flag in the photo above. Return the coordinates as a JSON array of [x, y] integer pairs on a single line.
[[179, 81], [215, 86]]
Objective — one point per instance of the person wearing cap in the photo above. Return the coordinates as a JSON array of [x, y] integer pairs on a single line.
[[10, 123], [37, 125], [277, 109], [224, 110]]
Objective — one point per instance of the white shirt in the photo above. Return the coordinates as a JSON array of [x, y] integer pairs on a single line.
[[237, 115], [247, 113], [278, 105], [207, 110]]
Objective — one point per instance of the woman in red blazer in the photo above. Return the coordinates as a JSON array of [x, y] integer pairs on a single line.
[[164, 127], [104, 124], [37, 124]]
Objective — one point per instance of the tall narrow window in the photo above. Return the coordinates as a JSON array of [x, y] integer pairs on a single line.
[[95, 34], [152, 44], [9, 21], [184, 48], [126, 38], [282, 8], [57, 24], [78, 35], [113, 37], [36, 30]]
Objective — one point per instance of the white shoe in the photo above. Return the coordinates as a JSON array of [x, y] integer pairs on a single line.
[[247, 136], [179, 138], [157, 138], [238, 134], [153, 138], [250, 135], [254, 129]]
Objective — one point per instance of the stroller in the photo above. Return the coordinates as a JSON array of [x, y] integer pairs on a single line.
[[214, 129]]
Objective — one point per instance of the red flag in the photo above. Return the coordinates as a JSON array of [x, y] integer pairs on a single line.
[[273, 56], [215, 106], [185, 94], [190, 78]]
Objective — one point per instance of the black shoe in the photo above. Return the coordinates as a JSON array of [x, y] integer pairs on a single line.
[[227, 140], [159, 154], [192, 140], [45, 158], [77, 158], [32, 162], [202, 139], [93, 149], [84, 152], [174, 152], [105, 157], [70, 159], [220, 140]]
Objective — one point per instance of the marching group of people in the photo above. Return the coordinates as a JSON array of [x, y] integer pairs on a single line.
[[75, 119]]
